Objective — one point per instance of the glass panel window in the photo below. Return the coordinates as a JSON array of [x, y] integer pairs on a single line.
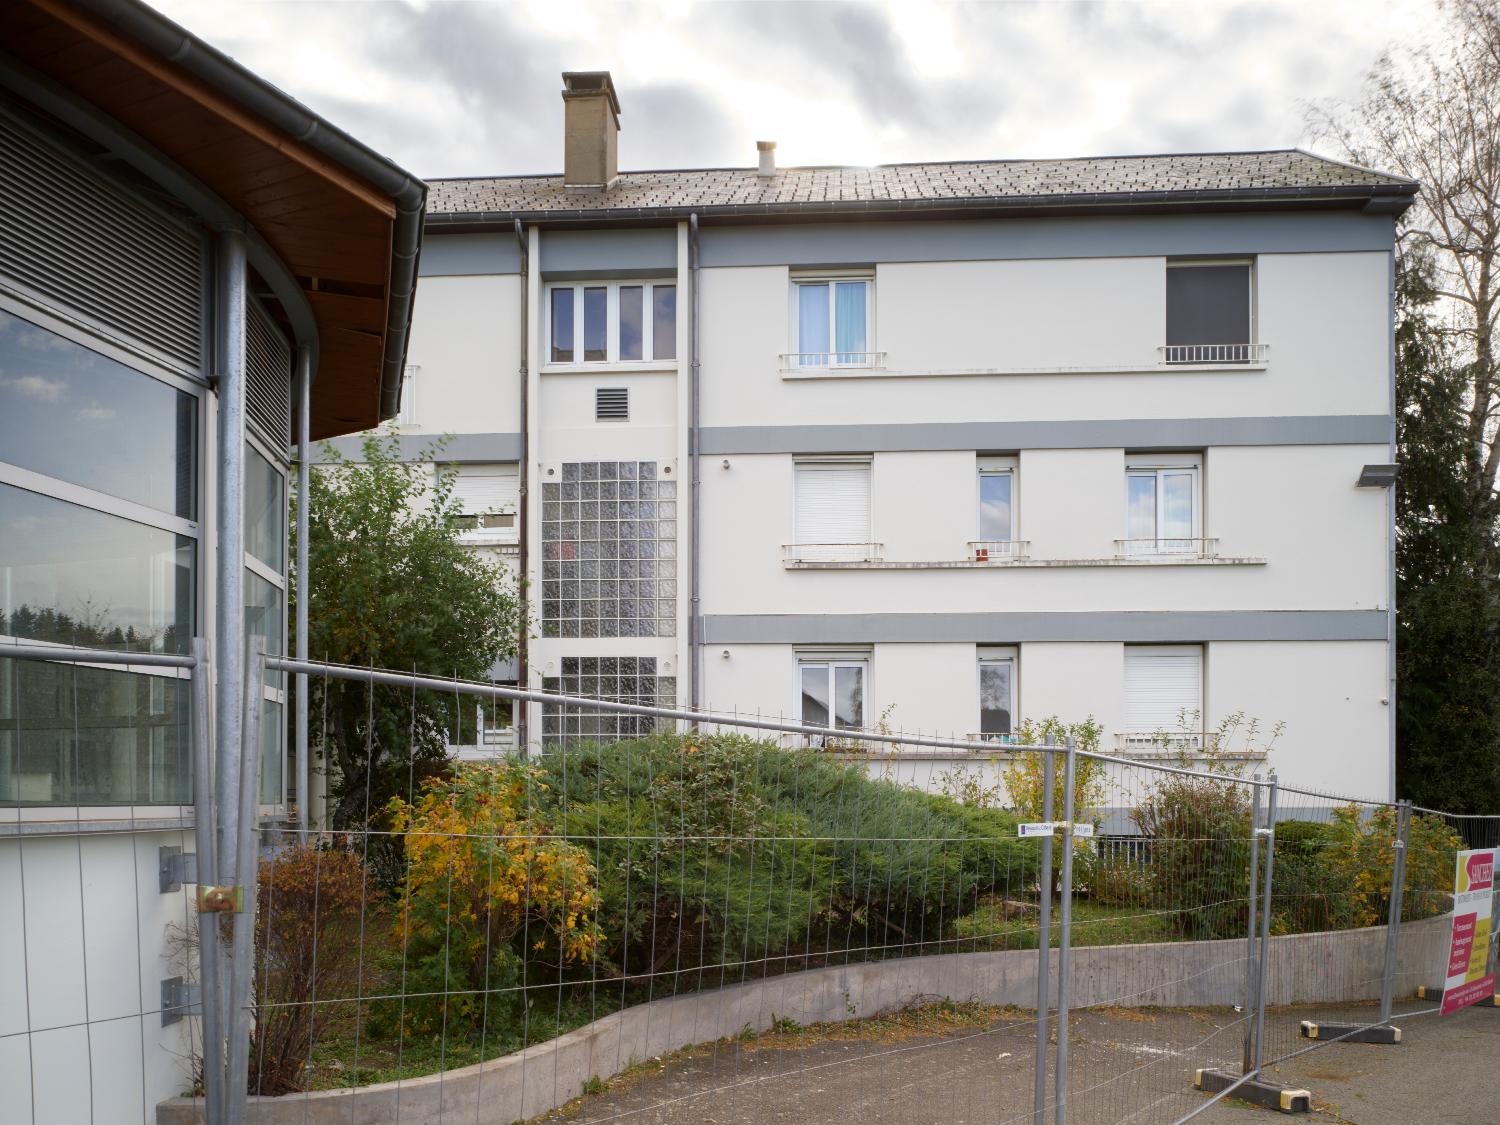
[[265, 510], [70, 413], [595, 324], [996, 694], [631, 325], [1161, 509], [272, 756], [263, 612], [76, 576], [995, 523], [620, 679], [562, 326], [92, 736], [815, 694], [832, 692], [833, 323], [664, 321], [1208, 312]]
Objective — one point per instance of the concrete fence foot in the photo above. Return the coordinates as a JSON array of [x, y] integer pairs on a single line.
[[1350, 1032], [1257, 1091]]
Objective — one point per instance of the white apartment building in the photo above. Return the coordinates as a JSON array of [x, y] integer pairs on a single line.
[[943, 446]]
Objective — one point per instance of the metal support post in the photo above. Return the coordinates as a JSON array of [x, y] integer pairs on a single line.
[[1065, 924], [208, 923], [1044, 936], [237, 1074], [1393, 919], [1265, 926], [1252, 991], [304, 486]]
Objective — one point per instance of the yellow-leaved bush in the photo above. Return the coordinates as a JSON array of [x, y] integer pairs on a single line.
[[492, 905]]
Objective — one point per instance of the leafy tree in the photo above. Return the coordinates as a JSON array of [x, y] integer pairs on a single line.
[[391, 586]]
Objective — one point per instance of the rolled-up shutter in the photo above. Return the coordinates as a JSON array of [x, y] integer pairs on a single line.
[[833, 502], [478, 491], [1161, 682]]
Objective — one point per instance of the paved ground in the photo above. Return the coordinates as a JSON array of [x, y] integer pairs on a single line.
[[1129, 1066]]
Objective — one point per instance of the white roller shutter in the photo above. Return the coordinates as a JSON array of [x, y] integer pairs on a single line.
[[1161, 682], [833, 504], [479, 490]]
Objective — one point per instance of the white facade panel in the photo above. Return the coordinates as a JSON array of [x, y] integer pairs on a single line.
[[466, 348]]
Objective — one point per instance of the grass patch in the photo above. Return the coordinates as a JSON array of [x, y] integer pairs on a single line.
[[996, 924]]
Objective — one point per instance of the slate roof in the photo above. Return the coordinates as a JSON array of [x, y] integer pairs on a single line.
[[1186, 178]]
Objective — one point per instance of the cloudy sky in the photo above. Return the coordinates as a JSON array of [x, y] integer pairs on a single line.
[[471, 88]]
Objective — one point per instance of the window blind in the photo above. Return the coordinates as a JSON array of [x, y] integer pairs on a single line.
[[486, 490], [833, 502], [1161, 683]]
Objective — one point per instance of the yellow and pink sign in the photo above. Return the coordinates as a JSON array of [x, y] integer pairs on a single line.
[[1471, 976]]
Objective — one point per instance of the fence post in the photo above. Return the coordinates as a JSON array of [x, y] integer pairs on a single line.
[[208, 923], [1065, 922], [1044, 935], [1265, 926], [1251, 987], [1393, 919], [242, 951]]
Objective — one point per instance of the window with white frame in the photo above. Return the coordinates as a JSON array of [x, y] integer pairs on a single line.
[[1210, 311], [831, 689], [1163, 505], [611, 322], [485, 500], [996, 532], [997, 692], [408, 414], [832, 510], [1163, 697], [831, 321]]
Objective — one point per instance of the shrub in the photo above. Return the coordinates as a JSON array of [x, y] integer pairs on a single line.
[[490, 897], [1200, 852], [1359, 856], [308, 924]]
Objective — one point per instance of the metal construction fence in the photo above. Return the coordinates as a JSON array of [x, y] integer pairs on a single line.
[[716, 911]]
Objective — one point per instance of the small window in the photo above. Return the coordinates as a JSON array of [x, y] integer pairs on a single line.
[[485, 499], [831, 690], [611, 322], [832, 510], [1209, 312], [1162, 506], [612, 404], [1163, 696], [997, 692], [832, 322], [997, 504]]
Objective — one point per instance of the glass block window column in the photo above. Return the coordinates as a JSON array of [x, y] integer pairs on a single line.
[[619, 679], [609, 551]]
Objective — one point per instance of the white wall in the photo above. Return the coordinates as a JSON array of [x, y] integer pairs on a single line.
[[466, 339], [83, 951]]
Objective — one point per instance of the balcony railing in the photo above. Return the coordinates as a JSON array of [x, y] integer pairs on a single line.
[[997, 550], [999, 741], [1165, 743], [1166, 548], [1214, 353], [832, 552], [797, 361]]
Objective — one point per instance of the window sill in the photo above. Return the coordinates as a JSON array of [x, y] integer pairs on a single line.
[[1014, 564], [794, 374], [644, 367]]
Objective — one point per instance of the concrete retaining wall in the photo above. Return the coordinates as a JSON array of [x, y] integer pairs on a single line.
[[1305, 968]]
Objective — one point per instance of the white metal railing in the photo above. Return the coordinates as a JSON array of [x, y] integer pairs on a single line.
[[1165, 742], [992, 550], [1166, 548], [832, 552], [1214, 353], [797, 361], [1000, 740]]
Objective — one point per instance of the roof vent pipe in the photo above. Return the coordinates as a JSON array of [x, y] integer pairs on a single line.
[[767, 150], [591, 130]]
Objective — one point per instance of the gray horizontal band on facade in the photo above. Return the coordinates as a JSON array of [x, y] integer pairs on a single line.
[[646, 252], [469, 255], [1128, 626], [459, 447], [1113, 236], [1084, 433]]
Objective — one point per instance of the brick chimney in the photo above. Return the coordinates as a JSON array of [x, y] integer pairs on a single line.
[[591, 130]]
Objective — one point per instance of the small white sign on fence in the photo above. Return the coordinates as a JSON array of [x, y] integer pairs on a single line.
[[1048, 827]]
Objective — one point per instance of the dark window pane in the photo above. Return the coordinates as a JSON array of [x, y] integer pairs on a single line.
[[631, 313], [71, 413], [562, 326], [849, 696], [994, 697], [1208, 304], [92, 736], [815, 694], [664, 321], [994, 507], [265, 510], [595, 325], [77, 576]]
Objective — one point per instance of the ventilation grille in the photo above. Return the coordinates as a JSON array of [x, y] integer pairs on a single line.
[[268, 386], [612, 404], [71, 235]]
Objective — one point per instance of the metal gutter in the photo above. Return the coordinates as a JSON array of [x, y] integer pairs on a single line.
[[695, 487], [181, 49], [523, 573], [1381, 199]]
